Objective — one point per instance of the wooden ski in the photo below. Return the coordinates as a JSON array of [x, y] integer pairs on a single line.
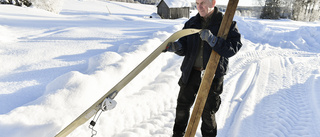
[[91, 111], [210, 71]]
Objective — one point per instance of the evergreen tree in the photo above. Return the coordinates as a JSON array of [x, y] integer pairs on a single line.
[[271, 10]]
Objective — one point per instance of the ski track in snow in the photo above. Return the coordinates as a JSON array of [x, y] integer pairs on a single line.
[[271, 89], [270, 83]]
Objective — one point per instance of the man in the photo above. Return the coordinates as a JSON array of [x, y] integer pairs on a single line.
[[197, 49]]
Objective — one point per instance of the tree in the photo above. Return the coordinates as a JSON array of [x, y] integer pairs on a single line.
[[271, 10], [306, 10], [301, 10]]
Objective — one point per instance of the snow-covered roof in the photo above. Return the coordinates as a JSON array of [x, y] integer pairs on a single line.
[[177, 3]]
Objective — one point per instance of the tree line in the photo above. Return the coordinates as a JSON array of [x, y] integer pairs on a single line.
[[54, 6], [301, 10]]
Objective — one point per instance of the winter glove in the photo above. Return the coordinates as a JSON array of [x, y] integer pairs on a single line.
[[207, 36], [173, 47]]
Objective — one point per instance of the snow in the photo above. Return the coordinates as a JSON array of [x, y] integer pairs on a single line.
[[177, 3], [53, 67]]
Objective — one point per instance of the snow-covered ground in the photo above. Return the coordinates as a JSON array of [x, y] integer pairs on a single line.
[[53, 67]]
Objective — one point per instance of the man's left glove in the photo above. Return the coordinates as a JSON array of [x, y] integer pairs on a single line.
[[207, 36]]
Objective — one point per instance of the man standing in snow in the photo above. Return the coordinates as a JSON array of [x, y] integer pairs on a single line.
[[197, 49]]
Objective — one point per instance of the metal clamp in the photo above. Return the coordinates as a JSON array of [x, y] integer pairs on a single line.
[[202, 73]]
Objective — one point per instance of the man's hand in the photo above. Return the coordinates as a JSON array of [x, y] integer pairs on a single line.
[[207, 36], [173, 47]]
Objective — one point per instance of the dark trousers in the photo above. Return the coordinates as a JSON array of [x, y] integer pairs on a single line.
[[186, 99]]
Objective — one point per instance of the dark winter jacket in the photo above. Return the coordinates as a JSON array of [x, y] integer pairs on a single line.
[[225, 48]]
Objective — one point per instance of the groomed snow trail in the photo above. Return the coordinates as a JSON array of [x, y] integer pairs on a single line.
[[270, 90]]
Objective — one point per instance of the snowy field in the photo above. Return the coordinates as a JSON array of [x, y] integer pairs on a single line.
[[53, 67]]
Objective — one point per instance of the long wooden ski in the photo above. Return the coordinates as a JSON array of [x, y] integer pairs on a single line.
[[210, 71], [91, 111]]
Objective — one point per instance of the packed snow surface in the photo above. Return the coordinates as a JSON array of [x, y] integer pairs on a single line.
[[54, 66]]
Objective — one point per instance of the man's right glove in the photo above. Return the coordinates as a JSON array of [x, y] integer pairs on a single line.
[[173, 47], [207, 36]]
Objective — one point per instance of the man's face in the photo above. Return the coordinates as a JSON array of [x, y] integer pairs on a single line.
[[204, 7]]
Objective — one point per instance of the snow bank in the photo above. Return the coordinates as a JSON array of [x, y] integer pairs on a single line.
[[6, 35], [73, 92], [106, 69], [284, 33]]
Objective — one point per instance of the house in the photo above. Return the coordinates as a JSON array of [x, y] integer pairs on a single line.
[[173, 9]]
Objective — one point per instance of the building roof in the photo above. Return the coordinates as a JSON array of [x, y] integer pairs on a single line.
[[177, 3]]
